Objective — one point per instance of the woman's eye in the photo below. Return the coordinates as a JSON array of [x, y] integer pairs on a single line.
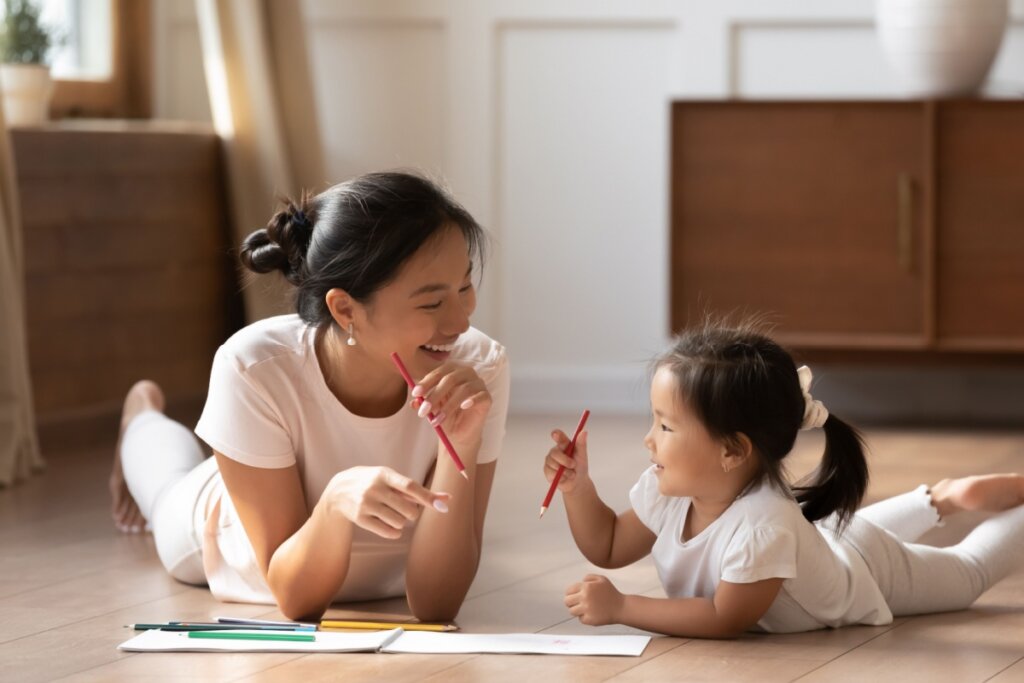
[[466, 289], [431, 307], [665, 429]]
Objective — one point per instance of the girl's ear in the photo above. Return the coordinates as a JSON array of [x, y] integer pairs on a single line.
[[737, 450]]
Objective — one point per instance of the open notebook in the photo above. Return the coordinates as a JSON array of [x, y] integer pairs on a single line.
[[397, 640]]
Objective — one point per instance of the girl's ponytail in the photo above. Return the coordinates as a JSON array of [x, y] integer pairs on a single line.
[[839, 482]]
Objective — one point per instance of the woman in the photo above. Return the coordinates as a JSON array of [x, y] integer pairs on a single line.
[[327, 483]]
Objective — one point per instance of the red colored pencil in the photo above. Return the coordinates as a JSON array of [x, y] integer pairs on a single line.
[[561, 468], [440, 432]]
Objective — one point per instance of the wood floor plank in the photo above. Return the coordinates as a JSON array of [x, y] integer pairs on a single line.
[[971, 645], [1011, 674]]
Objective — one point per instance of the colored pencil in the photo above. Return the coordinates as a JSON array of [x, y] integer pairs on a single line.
[[440, 432], [330, 624], [266, 622], [198, 626], [561, 468], [240, 635]]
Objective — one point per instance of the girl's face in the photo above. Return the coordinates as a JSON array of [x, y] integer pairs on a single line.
[[424, 310], [688, 460]]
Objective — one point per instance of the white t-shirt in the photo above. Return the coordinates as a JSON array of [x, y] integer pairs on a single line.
[[269, 406], [762, 535]]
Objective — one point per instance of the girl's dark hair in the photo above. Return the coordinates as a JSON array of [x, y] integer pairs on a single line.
[[738, 381], [355, 236]]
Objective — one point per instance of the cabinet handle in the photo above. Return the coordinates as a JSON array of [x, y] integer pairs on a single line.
[[905, 221]]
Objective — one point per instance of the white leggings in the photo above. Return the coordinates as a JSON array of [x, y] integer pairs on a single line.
[[170, 479], [919, 579]]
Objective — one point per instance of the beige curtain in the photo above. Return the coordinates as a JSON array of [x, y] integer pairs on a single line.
[[19, 446], [258, 77]]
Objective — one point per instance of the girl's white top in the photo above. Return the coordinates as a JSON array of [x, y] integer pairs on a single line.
[[269, 406], [762, 535]]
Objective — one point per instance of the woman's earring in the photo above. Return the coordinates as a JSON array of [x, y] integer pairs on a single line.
[[726, 468], [351, 341]]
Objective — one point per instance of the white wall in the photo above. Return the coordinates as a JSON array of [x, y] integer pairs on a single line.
[[549, 119]]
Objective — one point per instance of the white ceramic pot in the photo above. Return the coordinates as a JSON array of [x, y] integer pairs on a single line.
[[941, 48], [27, 89]]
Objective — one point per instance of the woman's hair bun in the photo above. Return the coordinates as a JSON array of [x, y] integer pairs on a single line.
[[283, 244]]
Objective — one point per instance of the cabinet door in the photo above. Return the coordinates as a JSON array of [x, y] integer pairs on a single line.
[[807, 211], [980, 224]]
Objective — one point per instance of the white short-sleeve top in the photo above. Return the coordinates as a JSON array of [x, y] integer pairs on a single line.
[[269, 406], [762, 535]]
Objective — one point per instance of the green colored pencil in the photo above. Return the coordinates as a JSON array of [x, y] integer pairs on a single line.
[[235, 635]]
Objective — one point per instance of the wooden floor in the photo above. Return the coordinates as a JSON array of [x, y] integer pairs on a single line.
[[69, 582]]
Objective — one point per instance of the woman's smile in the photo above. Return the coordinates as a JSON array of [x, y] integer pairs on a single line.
[[438, 352]]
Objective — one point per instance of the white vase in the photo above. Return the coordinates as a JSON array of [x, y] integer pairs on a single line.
[[27, 89], [941, 48]]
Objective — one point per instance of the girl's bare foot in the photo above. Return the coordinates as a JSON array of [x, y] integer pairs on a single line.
[[144, 395], [989, 492]]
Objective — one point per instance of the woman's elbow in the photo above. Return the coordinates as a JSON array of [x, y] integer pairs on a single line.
[[435, 614], [299, 609]]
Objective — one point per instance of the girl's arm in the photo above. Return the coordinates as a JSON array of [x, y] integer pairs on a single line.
[[735, 608], [606, 539], [305, 555]]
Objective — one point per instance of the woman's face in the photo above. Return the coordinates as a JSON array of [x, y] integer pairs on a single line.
[[424, 309], [687, 458]]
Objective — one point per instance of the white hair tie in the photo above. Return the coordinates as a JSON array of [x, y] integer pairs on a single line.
[[815, 412]]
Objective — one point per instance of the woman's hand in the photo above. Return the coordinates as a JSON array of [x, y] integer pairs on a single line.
[[594, 601], [577, 468], [380, 499], [457, 397]]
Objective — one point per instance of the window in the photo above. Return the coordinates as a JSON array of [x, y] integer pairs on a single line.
[[87, 49], [102, 68]]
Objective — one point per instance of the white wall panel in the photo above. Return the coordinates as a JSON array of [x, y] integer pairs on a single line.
[[582, 148], [380, 94], [810, 61], [1007, 76]]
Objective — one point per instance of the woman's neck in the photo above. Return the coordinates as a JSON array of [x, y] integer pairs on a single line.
[[362, 386]]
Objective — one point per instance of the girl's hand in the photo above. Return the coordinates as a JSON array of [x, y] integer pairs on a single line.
[[457, 397], [594, 601], [381, 500], [577, 467]]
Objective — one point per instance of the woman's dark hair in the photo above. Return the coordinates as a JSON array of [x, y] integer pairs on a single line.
[[738, 381], [355, 236]]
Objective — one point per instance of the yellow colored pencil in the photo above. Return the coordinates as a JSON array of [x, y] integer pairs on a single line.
[[333, 624]]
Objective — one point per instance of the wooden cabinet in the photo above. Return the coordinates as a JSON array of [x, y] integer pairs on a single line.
[[853, 225], [128, 270]]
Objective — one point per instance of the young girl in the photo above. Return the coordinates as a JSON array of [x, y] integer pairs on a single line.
[[322, 487], [737, 548]]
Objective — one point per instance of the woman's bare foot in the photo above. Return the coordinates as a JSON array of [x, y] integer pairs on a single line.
[[988, 492], [144, 395]]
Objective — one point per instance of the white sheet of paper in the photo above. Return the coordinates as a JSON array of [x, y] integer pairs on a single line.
[[422, 642], [398, 641], [178, 641]]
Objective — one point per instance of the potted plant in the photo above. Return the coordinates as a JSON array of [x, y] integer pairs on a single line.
[[24, 74]]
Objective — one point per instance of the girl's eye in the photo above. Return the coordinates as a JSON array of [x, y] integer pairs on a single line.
[[466, 289], [431, 307], [665, 429]]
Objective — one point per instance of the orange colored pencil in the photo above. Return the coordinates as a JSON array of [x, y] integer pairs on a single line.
[[561, 468]]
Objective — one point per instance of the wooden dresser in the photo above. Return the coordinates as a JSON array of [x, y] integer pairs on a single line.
[[856, 226], [127, 265]]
